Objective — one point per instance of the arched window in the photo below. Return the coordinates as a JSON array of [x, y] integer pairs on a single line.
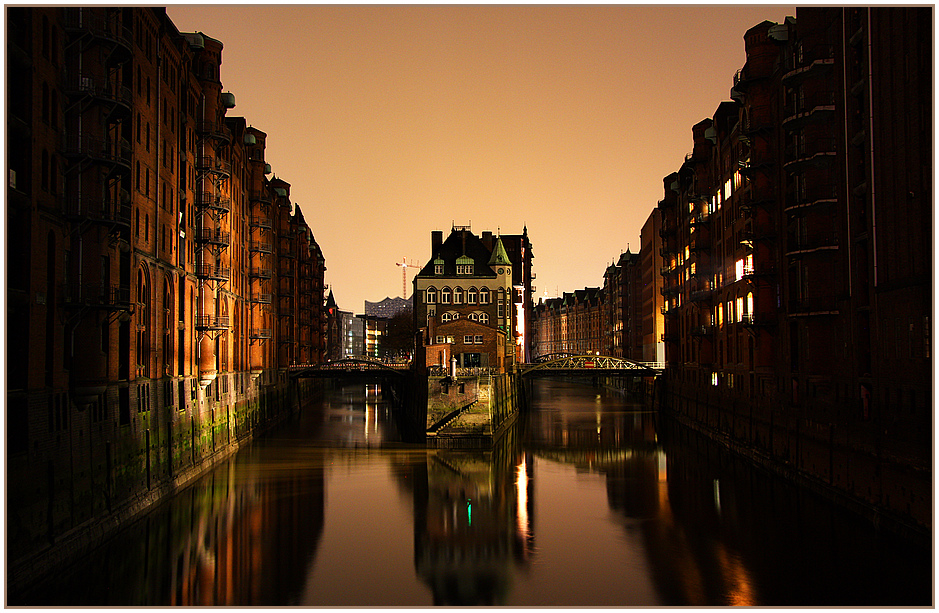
[[445, 295], [471, 295], [484, 318], [474, 316], [484, 296], [430, 295], [445, 317], [458, 295]]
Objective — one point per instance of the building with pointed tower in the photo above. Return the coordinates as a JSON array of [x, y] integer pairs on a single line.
[[464, 303]]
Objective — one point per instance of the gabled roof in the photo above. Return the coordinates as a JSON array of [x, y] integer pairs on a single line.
[[460, 243]]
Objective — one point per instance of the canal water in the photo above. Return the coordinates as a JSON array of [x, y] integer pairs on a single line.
[[590, 500]]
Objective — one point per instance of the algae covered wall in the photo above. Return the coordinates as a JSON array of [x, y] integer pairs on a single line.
[[145, 440]]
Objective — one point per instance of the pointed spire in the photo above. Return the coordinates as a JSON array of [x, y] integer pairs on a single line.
[[499, 256]]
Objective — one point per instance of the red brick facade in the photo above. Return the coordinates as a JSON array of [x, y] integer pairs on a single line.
[[160, 280]]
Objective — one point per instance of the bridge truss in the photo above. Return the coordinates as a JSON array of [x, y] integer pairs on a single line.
[[349, 367], [595, 365]]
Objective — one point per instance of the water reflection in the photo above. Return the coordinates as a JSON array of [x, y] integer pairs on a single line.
[[591, 500], [473, 523]]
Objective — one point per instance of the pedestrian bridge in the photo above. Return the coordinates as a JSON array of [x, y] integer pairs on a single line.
[[591, 365], [350, 367]]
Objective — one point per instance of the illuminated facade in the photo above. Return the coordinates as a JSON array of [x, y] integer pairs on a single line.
[[794, 238], [464, 296]]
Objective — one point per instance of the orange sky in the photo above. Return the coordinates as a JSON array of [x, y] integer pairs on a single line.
[[393, 121]]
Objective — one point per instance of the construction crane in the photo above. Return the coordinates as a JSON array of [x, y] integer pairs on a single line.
[[404, 276]]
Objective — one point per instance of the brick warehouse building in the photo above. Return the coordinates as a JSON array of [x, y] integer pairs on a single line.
[[797, 244], [159, 279]]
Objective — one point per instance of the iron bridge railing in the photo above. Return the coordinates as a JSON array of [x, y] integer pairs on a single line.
[[595, 363]]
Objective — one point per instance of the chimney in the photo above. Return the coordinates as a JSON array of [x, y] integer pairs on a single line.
[[487, 240], [436, 240]]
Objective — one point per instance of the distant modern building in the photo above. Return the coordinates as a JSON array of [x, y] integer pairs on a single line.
[[387, 308], [464, 298]]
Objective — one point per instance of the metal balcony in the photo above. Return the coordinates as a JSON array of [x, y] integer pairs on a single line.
[[214, 202], [212, 322], [701, 295], [99, 150], [820, 152], [261, 222], [260, 247], [261, 333], [213, 272], [262, 298], [815, 63], [93, 27], [670, 290], [118, 98], [261, 273], [112, 214], [96, 295], [262, 196], [818, 108], [213, 236], [817, 243], [215, 166], [215, 130]]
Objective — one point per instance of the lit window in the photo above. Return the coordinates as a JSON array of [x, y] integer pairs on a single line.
[[739, 270], [727, 188], [740, 308], [714, 378], [750, 302]]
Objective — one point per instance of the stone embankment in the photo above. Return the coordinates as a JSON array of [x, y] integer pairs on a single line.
[[470, 413]]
